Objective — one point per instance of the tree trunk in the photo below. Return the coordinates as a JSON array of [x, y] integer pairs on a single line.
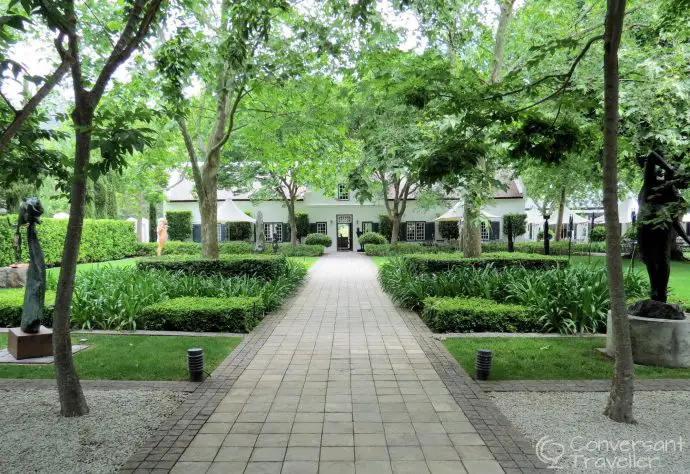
[[292, 218], [72, 401], [511, 247], [471, 233], [501, 33], [620, 402], [208, 207], [395, 232], [561, 211], [152, 222]]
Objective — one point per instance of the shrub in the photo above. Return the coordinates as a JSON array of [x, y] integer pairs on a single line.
[[267, 267], [556, 247], [147, 249], [239, 230], [302, 225], [598, 234], [300, 250], [236, 314], [475, 314], [442, 262], [11, 303], [517, 222], [385, 226], [372, 238], [449, 230], [405, 248], [540, 235], [102, 240], [235, 248], [179, 225], [318, 239]]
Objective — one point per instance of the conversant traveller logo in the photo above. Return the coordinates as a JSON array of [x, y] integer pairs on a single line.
[[584, 453]]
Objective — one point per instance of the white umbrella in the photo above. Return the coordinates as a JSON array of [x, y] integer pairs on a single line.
[[534, 216], [229, 212], [455, 214], [686, 218]]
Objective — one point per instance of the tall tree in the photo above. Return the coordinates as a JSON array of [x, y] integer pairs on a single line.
[[620, 402], [106, 130]]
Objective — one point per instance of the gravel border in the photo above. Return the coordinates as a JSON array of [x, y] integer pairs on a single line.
[[572, 426], [35, 438]]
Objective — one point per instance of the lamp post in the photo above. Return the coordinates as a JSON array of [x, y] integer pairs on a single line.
[[547, 250]]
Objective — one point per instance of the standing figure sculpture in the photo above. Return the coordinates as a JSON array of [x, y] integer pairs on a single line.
[[34, 296], [661, 208], [260, 243], [162, 235]]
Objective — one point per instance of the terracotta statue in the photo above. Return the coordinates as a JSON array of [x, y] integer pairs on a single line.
[[162, 235], [35, 293], [661, 208]]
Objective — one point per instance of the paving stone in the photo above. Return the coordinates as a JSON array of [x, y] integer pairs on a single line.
[[300, 467]]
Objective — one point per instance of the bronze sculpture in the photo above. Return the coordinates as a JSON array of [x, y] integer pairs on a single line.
[[30, 213], [661, 208]]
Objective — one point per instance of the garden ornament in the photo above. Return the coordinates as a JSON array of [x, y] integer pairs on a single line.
[[260, 243], [162, 235], [34, 296]]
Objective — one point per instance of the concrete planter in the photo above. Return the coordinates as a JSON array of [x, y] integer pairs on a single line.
[[659, 342], [13, 276]]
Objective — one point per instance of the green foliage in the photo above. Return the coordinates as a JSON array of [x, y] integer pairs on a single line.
[[540, 235], [449, 230], [372, 238], [179, 225], [148, 249], [236, 314], [318, 239], [266, 267], [102, 240], [385, 226], [239, 230], [598, 234], [235, 248], [11, 302], [475, 315], [518, 221], [555, 247], [442, 262], [299, 250], [405, 248], [302, 225]]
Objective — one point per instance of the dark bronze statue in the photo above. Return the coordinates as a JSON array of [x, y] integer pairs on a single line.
[[661, 208], [34, 296]]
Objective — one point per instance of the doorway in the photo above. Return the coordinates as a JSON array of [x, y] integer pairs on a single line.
[[344, 232]]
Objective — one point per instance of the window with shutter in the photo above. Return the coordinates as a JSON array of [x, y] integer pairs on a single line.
[[321, 228], [415, 231]]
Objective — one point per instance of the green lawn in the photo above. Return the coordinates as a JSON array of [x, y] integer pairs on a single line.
[[127, 262], [541, 358], [306, 261], [131, 357], [378, 261]]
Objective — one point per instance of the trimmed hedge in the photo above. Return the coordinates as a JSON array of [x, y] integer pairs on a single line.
[[11, 303], [239, 230], [318, 239], [300, 250], [556, 247], [372, 238], [476, 315], [443, 262], [179, 225], [267, 267], [148, 249], [406, 248], [102, 240], [236, 314]]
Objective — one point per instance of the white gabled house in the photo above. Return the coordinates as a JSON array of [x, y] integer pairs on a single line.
[[342, 215]]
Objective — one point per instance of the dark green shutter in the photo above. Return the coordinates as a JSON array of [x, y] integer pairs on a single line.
[[286, 232], [402, 233], [223, 232], [196, 233], [429, 231], [495, 230], [312, 227], [375, 226]]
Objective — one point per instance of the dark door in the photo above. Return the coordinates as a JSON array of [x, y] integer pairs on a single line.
[[345, 236]]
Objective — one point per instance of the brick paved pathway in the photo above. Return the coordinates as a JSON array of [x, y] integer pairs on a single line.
[[339, 381]]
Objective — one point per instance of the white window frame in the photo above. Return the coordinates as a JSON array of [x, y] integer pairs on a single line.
[[343, 193], [485, 231], [364, 226], [272, 229], [219, 230], [415, 231], [322, 228]]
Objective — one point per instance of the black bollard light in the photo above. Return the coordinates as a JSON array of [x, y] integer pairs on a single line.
[[195, 364], [482, 367]]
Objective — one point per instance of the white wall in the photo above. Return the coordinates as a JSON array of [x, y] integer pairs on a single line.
[[323, 209]]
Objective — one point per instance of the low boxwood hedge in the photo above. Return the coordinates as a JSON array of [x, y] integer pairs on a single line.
[[237, 314], [443, 262], [263, 266], [300, 250], [318, 239], [372, 238], [406, 248], [148, 249], [476, 315], [11, 303], [555, 247]]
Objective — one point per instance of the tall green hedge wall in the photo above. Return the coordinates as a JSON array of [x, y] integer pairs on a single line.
[[102, 239], [179, 225]]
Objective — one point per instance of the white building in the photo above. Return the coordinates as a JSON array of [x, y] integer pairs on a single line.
[[343, 215]]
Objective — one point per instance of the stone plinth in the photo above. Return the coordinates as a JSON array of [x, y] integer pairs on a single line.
[[24, 345], [14, 276], [660, 342]]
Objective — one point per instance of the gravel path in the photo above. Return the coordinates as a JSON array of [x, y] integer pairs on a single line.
[[35, 438], [571, 425]]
